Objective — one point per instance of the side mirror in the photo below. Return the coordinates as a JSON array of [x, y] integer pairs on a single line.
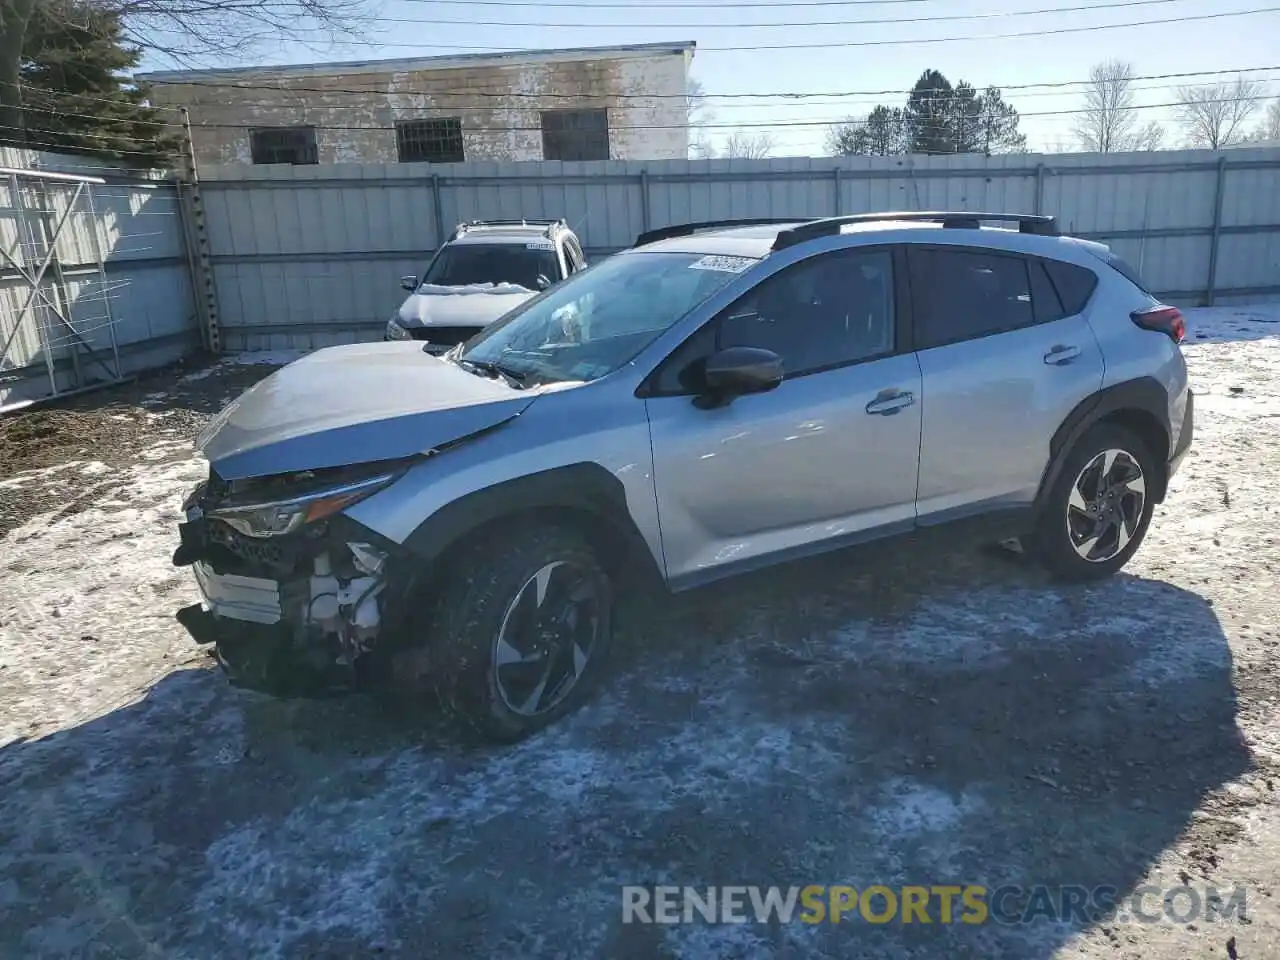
[[409, 283], [737, 371], [543, 282]]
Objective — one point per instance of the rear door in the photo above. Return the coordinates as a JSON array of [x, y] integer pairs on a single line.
[[1002, 364]]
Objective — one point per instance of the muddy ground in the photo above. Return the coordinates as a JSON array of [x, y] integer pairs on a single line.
[[916, 713]]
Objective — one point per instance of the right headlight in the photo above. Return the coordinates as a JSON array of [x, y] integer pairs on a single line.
[[397, 332]]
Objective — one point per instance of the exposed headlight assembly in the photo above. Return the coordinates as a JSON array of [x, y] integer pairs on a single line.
[[397, 332], [278, 517]]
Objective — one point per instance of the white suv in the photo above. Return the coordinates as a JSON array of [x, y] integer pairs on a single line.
[[486, 268]]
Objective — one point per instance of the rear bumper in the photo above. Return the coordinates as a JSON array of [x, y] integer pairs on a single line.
[[1183, 443]]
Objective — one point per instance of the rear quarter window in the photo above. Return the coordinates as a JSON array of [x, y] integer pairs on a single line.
[[1123, 268], [1074, 284]]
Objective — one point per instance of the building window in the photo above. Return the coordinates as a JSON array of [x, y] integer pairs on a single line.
[[438, 140], [283, 145], [575, 134]]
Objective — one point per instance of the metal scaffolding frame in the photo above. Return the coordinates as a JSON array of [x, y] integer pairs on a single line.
[[32, 257]]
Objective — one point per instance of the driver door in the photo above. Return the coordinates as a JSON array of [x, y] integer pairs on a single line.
[[829, 456]]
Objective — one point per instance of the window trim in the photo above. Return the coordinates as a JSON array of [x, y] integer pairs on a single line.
[[409, 121], [902, 333], [566, 111], [312, 149], [913, 260]]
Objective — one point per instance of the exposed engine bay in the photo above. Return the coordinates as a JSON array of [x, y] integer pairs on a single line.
[[295, 594]]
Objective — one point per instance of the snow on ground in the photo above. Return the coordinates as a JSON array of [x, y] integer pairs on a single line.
[[921, 715], [273, 358]]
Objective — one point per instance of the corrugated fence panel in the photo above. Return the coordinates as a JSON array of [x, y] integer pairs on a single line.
[[306, 253], [138, 304]]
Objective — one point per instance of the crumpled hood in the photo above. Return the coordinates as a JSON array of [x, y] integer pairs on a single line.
[[474, 305], [353, 404]]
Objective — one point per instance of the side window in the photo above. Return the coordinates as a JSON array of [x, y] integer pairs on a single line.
[[966, 294], [1044, 298], [676, 375], [1075, 285], [829, 310]]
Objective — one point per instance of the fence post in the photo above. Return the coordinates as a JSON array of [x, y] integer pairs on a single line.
[[644, 200], [1039, 189], [835, 182], [1217, 232], [439, 210], [202, 285]]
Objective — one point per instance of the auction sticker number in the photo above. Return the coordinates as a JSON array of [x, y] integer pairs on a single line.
[[722, 264]]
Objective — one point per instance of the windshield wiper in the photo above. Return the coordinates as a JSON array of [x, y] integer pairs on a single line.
[[514, 378]]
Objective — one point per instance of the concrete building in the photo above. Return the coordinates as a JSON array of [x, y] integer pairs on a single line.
[[590, 103]]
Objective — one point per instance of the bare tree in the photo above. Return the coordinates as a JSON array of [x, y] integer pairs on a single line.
[[1106, 123], [1270, 129], [1215, 116], [700, 117], [749, 145], [189, 31], [1150, 137]]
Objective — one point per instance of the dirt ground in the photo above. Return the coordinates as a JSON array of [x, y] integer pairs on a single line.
[[917, 713]]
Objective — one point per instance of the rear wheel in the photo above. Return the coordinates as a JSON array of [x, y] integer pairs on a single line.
[[1098, 511], [519, 631]]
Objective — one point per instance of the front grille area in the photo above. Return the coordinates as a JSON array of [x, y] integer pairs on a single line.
[[445, 336], [267, 552]]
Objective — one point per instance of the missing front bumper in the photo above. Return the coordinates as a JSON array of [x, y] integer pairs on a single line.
[[267, 657]]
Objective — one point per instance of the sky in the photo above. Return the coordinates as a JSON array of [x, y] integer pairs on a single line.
[[856, 56]]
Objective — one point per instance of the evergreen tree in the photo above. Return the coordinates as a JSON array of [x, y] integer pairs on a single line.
[[883, 133], [930, 115], [75, 96], [937, 119]]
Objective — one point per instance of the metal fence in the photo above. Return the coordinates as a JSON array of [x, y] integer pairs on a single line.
[[94, 278], [311, 255]]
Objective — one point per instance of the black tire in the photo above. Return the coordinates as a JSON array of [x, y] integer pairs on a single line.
[[1051, 543], [460, 638]]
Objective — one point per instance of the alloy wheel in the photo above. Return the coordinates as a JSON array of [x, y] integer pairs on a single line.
[[547, 636], [1106, 504]]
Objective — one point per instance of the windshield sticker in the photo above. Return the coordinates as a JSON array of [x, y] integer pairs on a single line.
[[722, 264], [539, 245]]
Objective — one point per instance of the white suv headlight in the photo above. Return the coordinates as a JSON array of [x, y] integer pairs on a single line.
[[397, 332]]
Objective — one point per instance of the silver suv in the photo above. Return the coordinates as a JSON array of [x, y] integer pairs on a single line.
[[718, 398], [484, 269]]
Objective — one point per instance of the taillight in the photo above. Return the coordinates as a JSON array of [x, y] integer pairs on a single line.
[[1162, 319]]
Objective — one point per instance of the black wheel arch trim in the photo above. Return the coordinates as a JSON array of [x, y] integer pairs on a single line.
[[1145, 395], [586, 488]]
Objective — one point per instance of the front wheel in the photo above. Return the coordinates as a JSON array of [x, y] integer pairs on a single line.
[[520, 631], [1099, 508]]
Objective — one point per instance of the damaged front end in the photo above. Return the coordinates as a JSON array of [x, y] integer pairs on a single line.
[[295, 594]]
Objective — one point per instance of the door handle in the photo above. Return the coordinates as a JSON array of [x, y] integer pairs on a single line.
[[890, 402], [1061, 354]]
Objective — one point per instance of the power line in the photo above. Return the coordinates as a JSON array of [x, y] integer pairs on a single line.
[[502, 93], [515, 129], [826, 122], [597, 25], [161, 124], [832, 45]]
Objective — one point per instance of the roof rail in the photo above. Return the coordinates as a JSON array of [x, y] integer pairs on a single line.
[[1034, 223], [687, 229], [549, 225]]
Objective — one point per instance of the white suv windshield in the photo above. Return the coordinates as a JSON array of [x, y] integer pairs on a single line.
[[463, 264], [601, 318]]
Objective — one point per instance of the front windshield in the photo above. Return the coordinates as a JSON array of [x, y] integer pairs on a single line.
[[463, 264], [601, 318]]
